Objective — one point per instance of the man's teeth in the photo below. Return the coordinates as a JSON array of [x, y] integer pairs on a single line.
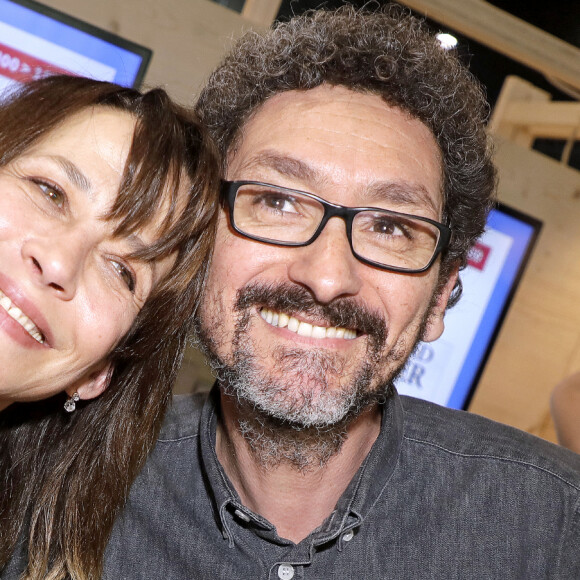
[[17, 314], [282, 320]]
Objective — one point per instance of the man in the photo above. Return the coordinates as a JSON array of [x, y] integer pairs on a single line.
[[358, 176]]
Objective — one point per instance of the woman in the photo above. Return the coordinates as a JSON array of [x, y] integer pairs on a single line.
[[106, 223]]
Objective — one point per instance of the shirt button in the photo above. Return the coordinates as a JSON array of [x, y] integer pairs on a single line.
[[348, 536], [240, 514], [285, 572]]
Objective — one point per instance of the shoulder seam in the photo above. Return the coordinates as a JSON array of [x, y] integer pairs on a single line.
[[178, 439], [496, 457]]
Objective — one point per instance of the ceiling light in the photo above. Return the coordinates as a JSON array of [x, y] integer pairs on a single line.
[[447, 41]]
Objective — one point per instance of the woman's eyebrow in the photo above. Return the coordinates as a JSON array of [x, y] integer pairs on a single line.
[[136, 243], [73, 173]]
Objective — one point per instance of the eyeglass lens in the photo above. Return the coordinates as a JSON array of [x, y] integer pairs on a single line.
[[383, 237]]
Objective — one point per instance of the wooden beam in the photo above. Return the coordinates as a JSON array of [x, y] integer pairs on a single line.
[[261, 11], [524, 113], [515, 89], [545, 120], [507, 34]]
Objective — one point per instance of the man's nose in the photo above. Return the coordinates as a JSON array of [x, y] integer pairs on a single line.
[[56, 262], [327, 267]]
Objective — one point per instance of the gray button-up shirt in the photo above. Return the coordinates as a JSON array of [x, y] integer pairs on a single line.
[[442, 494]]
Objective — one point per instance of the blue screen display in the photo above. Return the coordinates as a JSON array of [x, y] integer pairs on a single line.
[[522, 234], [446, 371], [42, 34]]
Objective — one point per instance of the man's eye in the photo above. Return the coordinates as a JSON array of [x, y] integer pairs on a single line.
[[52, 193], [279, 203], [388, 228], [125, 274]]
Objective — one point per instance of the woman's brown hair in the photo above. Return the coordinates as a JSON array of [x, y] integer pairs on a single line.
[[64, 478]]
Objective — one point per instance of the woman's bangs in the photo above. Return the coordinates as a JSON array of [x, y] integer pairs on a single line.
[[150, 194]]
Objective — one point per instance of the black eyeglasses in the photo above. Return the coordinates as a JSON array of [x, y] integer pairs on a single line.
[[390, 240]]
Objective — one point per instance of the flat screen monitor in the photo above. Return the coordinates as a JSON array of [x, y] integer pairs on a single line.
[[36, 41], [447, 370]]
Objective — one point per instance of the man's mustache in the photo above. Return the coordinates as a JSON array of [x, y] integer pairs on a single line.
[[294, 299]]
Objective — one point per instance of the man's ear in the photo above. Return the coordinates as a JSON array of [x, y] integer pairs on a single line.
[[435, 324], [92, 385]]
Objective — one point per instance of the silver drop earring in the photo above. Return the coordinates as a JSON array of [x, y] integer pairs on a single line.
[[71, 403]]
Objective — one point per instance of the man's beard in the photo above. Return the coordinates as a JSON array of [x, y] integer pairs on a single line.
[[294, 404]]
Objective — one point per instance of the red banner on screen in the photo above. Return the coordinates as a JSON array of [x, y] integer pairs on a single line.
[[22, 67], [478, 256]]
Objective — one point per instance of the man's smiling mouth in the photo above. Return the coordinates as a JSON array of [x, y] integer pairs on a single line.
[[16, 314], [282, 320]]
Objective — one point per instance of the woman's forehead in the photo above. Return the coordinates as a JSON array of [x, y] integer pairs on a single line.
[[96, 134], [94, 149]]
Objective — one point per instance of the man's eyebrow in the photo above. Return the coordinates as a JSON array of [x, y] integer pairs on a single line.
[[284, 165], [399, 192], [403, 193]]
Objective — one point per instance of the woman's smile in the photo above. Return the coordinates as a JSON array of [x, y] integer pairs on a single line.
[[24, 321], [69, 289]]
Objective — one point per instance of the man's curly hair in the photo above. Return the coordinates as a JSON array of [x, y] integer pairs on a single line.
[[388, 53]]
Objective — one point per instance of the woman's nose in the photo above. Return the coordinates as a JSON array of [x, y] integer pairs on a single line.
[[56, 262], [327, 267]]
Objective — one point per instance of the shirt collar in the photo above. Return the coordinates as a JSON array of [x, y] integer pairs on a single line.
[[355, 503]]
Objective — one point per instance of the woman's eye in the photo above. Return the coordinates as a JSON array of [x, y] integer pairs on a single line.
[[53, 194], [125, 274]]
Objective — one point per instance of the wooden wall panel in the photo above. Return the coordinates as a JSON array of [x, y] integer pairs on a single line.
[[540, 340], [188, 38]]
